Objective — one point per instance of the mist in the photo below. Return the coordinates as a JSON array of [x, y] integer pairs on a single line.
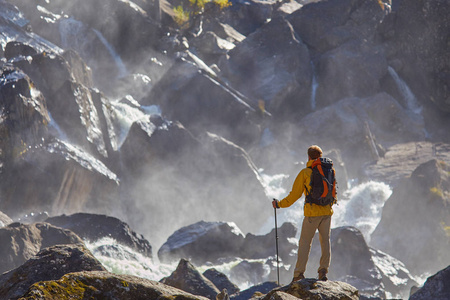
[[186, 129]]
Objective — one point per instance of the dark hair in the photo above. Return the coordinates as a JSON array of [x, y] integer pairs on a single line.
[[314, 152]]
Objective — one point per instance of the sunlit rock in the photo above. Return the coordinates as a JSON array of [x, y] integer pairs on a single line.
[[188, 279], [92, 227], [21, 242], [103, 284], [312, 288], [48, 264]]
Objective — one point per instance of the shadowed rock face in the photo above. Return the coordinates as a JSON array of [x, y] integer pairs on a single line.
[[93, 227], [436, 287], [21, 242], [421, 231], [49, 264]]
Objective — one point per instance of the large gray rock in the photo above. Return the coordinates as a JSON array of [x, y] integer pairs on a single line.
[[203, 242], [21, 242], [188, 279], [49, 264], [420, 237], [92, 227], [436, 287], [191, 94], [105, 285], [314, 289], [276, 67]]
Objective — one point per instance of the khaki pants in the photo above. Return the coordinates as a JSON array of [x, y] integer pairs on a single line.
[[309, 227]]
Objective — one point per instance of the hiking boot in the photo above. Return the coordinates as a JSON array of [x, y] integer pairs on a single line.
[[323, 275], [299, 277]]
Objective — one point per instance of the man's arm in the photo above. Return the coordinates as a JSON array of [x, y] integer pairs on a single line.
[[297, 190]]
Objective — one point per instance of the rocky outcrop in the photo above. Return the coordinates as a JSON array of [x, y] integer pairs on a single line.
[[364, 124], [422, 231], [314, 289], [100, 284], [92, 227], [188, 279], [202, 242], [413, 154], [436, 287], [279, 76], [49, 264], [21, 242]]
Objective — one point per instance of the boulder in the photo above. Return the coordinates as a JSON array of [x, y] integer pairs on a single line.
[[69, 102], [314, 289], [422, 232], [263, 246], [250, 272], [354, 69], [188, 279], [58, 177], [105, 285], [436, 287], [203, 242], [325, 25], [24, 114], [48, 264], [21, 242], [396, 278], [276, 67], [184, 164], [221, 281], [181, 94], [92, 227]]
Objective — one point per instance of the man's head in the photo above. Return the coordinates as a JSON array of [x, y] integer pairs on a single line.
[[314, 152]]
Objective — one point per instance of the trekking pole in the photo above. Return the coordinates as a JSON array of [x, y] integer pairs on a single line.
[[276, 243]]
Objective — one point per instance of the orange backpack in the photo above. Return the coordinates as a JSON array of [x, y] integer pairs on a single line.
[[323, 183]]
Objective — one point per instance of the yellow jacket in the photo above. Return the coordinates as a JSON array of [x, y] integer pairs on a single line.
[[300, 183]]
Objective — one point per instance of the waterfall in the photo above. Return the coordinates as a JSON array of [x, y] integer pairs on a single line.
[[119, 63], [405, 91], [314, 85]]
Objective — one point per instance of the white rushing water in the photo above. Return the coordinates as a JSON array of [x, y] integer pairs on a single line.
[[405, 91], [360, 206]]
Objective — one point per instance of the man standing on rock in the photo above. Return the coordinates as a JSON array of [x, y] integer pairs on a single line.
[[317, 211]]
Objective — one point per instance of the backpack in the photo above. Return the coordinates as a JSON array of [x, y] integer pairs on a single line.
[[323, 183]]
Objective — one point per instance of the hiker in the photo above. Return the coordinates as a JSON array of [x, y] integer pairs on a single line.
[[319, 198]]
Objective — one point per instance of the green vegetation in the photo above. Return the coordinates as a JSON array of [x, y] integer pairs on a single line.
[[185, 13]]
